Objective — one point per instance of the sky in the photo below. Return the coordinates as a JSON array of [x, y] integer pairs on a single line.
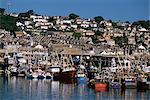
[[123, 10]]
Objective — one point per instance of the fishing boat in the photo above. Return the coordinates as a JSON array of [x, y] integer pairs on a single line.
[[81, 74], [22, 71], [13, 71], [55, 70], [148, 82], [115, 84], [142, 83], [37, 74], [49, 75], [67, 73], [41, 74], [32, 75], [81, 77], [130, 83], [91, 71], [98, 84]]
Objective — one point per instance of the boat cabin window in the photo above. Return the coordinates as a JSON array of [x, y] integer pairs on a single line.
[[10, 54], [65, 60], [126, 64], [116, 80]]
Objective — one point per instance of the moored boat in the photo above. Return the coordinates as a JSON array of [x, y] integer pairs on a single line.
[[142, 84], [49, 75], [13, 71], [38, 74], [99, 85], [55, 70], [32, 75], [130, 83], [81, 75], [67, 73], [41, 74], [115, 85]]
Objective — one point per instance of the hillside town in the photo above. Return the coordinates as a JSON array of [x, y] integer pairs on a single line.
[[38, 41]]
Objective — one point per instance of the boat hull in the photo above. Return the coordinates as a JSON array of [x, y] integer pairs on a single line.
[[142, 86], [40, 77], [30, 77], [49, 77], [130, 85], [115, 85], [101, 86], [56, 76], [81, 80], [67, 75]]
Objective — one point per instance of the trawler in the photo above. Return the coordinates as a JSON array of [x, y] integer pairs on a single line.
[[67, 71], [81, 74]]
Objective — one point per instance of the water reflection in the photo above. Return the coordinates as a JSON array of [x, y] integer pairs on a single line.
[[21, 89]]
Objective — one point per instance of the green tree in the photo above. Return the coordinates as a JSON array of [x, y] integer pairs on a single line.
[[30, 12], [51, 19], [2, 10], [98, 19], [95, 39], [73, 16], [98, 33], [8, 23], [76, 34], [121, 41], [143, 23], [26, 14]]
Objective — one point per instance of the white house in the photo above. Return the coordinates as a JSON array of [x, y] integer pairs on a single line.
[[93, 25], [66, 21], [44, 27], [27, 23], [84, 25], [63, 27], [19, 24], [40, 20], [74, 26]]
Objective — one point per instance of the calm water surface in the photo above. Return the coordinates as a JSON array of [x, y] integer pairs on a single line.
[[22, 89]]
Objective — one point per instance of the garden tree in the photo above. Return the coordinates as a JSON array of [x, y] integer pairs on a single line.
[[143, 23], [110, 21], [98, 33], [95, 39], [98, 19], [73, 16], [51, 29], [102, 25], [77, 34], [8, 23], [127, 22], [140, 40], [21, 15], [121, 41], [2, 10], [12, 32], [30, 12], [114, 24], [26, 14], [51, 19]]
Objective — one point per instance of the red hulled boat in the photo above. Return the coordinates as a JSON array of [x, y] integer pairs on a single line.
[[67, 73], [98, 85]]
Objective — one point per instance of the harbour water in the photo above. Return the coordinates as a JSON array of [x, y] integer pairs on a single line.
[[14, 88]]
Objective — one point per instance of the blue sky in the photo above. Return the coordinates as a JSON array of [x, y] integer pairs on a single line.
[[109, 9]]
